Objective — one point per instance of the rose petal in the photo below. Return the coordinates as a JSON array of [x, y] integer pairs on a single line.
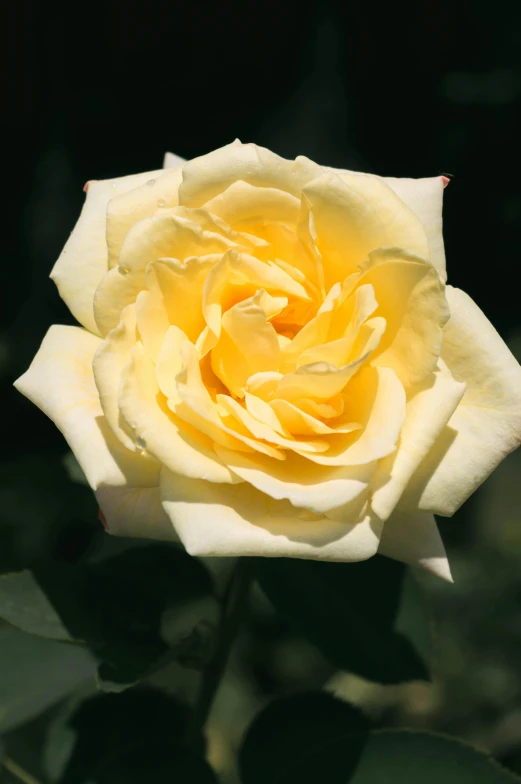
[[84, 259], [376, 399], [425, 197], [299, 422], [159, 191], [173, 296], [148, 240], [264, 432], [247, 344], [108, 362], [223, 520], [60, 381], [193, 404], [411, 298], [319, 380], [350, 220], [314, 488], [136, 512], [172, 161], [244, 202], [414, 538], [238, 276], [211, 174], [359, 344], [427, 413], [179, 447], [486, 426]]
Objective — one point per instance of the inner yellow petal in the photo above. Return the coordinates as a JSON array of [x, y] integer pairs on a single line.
[[247, 344]]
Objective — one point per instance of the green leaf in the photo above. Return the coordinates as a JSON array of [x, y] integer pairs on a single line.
[[26, 605], [115, 606], [399, 757], [313, 737], [132, 738], [301, 724], [36, 673], [142, 767], [352, 612]]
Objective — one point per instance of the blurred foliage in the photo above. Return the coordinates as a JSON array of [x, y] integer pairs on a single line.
[[407, 89], [345, 613]]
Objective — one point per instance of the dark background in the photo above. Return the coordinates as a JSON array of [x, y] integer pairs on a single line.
[[102, 89]]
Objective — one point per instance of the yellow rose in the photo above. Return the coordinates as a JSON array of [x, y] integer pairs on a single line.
[[270, 362]]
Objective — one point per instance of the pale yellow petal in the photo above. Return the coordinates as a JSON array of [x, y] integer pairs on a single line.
[[238, 276], [172, 161], [334, 407], [376, 400], [414, 538], [317, 489], [152, 319], [411, 298], [135, 512], [299, 422], [159, 191], [486, 425], [174, 296], [264, 432], [315, 332], [319, 380], [109, 360], [84, 259], [351, 218], [244, 202], [148, 240], [220, 520], [60, 381], [247, 344], [193, 404], [158, 431], [116, 291], [168, 235], [211, 174], [288, 251], [264, 385], [213, 224], [427, 414], [359, 344], [265, 413], [424, 196], [170, 361]]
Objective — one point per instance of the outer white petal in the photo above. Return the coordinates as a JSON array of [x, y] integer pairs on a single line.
[[425, 197], [486, 426], [60, 381], [172, 161], [84, 259], [135, 511], [225, 520], [413, 537], [427, 414]]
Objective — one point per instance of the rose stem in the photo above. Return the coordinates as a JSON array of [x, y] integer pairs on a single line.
[[15, 769], [234, 604]]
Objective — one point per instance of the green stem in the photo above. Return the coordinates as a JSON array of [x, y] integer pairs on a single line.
[[234, 604], [19, 772]]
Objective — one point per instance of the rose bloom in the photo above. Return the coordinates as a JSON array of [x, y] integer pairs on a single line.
[[270, 362]]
